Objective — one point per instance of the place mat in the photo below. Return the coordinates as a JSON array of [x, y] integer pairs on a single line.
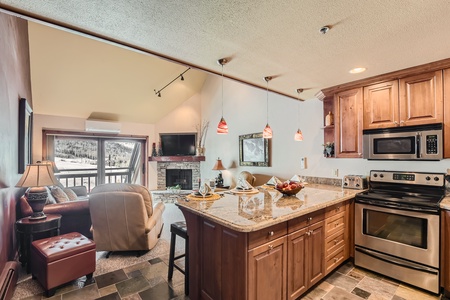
[[200, 198], [236, 191], [266, 186]]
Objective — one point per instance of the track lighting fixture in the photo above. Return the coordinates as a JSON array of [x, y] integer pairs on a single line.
[[222, 127], [298, 135], [158, 93], [267, 132]]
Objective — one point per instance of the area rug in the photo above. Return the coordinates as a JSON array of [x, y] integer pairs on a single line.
[[27, 286]]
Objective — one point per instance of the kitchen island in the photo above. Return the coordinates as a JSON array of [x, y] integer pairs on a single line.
[[264, 245]]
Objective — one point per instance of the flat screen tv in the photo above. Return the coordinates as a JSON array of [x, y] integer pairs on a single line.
[[174, 144]]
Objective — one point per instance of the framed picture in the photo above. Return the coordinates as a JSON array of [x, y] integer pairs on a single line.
[[25, 134], [253, 150]]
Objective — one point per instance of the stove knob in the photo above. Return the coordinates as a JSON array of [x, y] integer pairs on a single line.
[[381, 175], [436, 178], [357, 185], [375, 175], [428, 178], [345, 183]]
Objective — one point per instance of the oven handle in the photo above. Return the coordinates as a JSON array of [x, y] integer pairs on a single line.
[[398, 206], [396, 261], [418, 137]]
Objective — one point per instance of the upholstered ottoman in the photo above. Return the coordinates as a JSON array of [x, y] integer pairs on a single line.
[[61, 259]]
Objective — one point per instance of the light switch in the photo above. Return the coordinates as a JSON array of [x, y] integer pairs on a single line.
[[303, 163]]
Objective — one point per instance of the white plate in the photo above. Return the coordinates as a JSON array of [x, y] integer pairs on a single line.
[[252, 191]]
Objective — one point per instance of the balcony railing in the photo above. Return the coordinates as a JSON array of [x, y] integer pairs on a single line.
[[89, 178]]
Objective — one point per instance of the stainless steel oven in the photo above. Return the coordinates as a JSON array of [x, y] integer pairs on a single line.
[[422, 142], [397, 226]]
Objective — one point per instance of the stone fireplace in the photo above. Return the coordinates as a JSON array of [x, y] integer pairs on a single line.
[[162, 168]]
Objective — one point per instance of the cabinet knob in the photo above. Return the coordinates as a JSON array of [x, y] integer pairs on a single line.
[[336, 259], [336, 224], [402, 122], [270, 247], [270, 233], [335, 242], [395, 122], [309, 219], [308, 233], [338, 209]]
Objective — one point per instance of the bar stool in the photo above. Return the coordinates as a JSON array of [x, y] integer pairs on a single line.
[[180, 229]]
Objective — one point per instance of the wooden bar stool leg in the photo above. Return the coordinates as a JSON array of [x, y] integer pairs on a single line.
[[186, 263]]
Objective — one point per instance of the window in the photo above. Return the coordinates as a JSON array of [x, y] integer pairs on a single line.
[[92, 160]]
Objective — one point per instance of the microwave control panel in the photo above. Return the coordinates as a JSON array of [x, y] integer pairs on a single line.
[[432, 144]]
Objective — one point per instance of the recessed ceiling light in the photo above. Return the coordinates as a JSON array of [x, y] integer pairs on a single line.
[[357, 70]]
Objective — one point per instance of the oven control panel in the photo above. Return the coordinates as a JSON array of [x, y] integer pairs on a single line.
[[433, 179]]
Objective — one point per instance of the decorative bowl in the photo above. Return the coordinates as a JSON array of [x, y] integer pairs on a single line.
[[290, 192]]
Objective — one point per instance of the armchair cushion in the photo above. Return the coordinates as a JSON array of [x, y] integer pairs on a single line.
[[128, 187]]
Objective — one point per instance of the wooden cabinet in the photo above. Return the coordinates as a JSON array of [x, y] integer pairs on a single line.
[[267, 271], [445, 248], [381, 105], [306, 264], [348, 109], [337, 235], [421, 99], [447, 113]]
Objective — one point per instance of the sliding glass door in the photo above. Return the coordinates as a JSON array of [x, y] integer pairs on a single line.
[[90, 161]]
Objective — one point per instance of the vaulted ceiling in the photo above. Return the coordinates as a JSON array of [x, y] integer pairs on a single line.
[[262, 38]]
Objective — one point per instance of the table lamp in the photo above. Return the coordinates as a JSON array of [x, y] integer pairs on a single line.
[[219, 167], [36, 178]]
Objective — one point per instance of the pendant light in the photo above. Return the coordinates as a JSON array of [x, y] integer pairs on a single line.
[[222, 127], [298, 135], [267, 132]]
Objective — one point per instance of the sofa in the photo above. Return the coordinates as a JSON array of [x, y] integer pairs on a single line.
[[74, 210], [124, 217]]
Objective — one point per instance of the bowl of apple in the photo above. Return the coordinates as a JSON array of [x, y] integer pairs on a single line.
[[289, 188]]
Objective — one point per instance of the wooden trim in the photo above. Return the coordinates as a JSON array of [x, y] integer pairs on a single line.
[[429, 67], [176, 158]]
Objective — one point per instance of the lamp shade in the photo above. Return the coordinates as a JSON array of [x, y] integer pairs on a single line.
[[37, 175], [222, 128], [218, 166], [298, 135], [267, 132]]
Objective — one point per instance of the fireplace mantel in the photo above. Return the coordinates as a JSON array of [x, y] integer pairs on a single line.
[[176, 158]]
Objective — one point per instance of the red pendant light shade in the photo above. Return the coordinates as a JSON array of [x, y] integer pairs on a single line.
[[298, 135], [222, 128], [267, 132]]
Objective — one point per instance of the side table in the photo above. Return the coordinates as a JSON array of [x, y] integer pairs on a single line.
[[26, 229]]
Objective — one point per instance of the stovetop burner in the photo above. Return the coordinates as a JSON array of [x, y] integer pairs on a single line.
[[410, 190]]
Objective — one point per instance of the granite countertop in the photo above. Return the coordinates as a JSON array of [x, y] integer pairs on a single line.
[[445, 203], [246, 213]]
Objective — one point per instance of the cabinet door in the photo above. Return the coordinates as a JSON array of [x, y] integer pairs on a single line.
[[267, 271], [445, 248], [316, 253], [381, 105], [421, 99], [297, 268], [447, 113], [348, 123]]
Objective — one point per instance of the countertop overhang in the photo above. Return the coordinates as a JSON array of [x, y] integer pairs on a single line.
[[247, 213]]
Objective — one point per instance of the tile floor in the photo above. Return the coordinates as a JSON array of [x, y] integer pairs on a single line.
[[148, 280]]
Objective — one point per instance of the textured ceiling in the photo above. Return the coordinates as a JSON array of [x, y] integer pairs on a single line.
[[278, 38]]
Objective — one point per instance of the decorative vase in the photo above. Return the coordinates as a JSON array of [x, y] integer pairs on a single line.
[[160, 152], [329, 119], [200, 151]]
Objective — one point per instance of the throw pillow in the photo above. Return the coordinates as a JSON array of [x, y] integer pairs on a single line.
[[59, 194], [50, 198], [70, 194]]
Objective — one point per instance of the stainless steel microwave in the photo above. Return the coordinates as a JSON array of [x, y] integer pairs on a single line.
[[421, 142]]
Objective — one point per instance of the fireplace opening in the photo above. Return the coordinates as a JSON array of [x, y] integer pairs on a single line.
[[183, 177]]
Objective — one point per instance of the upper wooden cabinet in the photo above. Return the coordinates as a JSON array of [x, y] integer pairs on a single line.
[[348, 117], [381, 105], [421, 99], [413, 100], [447, 113]]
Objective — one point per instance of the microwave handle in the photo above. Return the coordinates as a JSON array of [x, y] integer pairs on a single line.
[[418, 153]]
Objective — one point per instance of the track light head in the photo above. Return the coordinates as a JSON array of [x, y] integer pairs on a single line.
[[159, 94], [299, 91], [268, 78], [223, 61], [181, 77]]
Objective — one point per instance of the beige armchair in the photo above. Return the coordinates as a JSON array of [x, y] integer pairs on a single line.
[[124, 218]]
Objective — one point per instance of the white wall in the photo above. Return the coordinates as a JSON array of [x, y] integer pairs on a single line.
[[245, 112]]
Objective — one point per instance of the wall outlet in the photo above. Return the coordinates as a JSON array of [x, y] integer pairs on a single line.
[[302, 162], [335, 172]]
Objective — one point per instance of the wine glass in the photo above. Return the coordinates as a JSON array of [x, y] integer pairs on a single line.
[[212, 185]]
